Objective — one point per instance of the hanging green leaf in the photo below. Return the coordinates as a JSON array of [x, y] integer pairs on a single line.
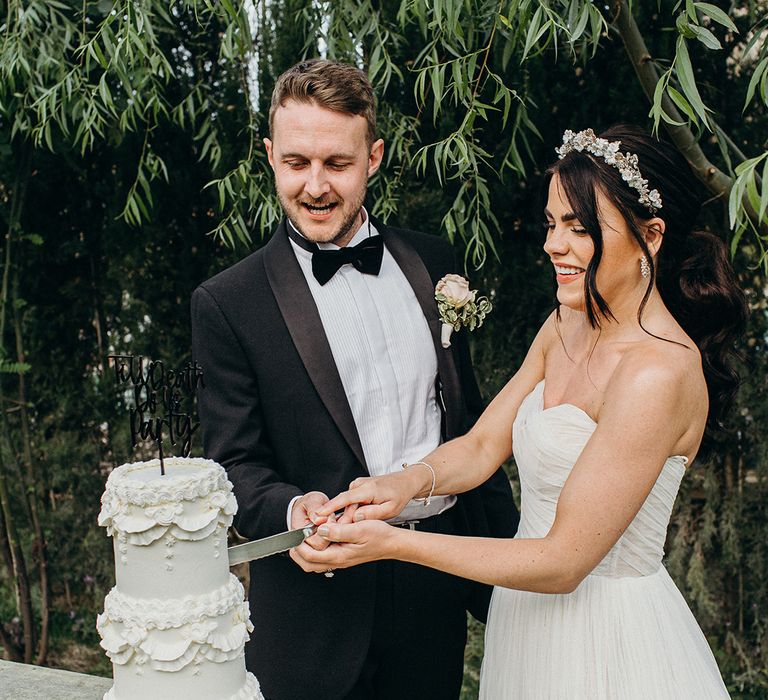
[[758, 78], [687, 80], [715, 13], [706, 37]]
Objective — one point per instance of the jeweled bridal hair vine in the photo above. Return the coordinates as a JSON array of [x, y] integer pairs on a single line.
[[625, 163]]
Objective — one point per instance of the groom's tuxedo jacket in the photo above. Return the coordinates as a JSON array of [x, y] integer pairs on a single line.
[[275, 415]]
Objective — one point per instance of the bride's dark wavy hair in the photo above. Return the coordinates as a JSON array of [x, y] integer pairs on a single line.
[[692, 271]]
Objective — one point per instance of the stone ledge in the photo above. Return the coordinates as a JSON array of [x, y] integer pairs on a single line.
[[26, 682]]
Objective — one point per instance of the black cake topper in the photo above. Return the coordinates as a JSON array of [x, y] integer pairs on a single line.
[[158, 395]]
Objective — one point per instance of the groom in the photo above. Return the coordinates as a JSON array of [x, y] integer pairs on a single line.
[[323, 363]]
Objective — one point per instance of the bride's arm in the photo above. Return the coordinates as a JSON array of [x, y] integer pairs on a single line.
[[641, 424], [459, 465]]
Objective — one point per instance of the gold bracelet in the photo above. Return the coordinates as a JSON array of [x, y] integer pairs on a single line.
[[434, 479]]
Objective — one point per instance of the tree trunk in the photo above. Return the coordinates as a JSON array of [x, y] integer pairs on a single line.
[[32, 489], [19, 568], [12, 651], [102, 335]]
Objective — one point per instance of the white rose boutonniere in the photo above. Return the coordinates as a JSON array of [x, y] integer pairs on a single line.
[[459, 306]]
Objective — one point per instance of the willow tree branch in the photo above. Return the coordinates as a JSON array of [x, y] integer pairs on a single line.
[[714, 179]]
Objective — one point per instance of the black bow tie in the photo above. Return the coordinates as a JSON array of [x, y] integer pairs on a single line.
[[366, 256]]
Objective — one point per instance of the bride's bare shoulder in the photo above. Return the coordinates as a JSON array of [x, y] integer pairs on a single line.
[[669, 367]]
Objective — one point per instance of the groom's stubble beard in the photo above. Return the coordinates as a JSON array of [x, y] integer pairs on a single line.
[[344, 228]]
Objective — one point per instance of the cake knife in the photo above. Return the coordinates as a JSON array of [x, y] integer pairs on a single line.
[[267, 546]]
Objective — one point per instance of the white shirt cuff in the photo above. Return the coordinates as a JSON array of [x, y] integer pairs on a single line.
[[290, 509]]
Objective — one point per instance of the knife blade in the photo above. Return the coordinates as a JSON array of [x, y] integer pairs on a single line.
[[267, 546]]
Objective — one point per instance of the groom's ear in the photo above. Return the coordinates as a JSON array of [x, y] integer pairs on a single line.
[[375, 156], [268, 148]]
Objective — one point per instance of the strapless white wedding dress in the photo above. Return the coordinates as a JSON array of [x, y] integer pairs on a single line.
[[626, 632]]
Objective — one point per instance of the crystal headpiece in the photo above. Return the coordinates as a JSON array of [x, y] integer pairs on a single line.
[[625, 163]]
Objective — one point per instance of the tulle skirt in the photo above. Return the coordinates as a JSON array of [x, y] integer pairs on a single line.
[[611, 639]]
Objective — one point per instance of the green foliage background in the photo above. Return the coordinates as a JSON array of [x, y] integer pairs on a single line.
[[126, 137]]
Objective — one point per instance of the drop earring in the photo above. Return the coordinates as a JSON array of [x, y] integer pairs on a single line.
[[645, 268]]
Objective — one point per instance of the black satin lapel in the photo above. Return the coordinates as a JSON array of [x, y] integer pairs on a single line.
[[300, 314], [418, 276]]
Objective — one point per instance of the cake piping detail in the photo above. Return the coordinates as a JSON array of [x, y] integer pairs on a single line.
[[170, 639], [188, 507], [173, 612]]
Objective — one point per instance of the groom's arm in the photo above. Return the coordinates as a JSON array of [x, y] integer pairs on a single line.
[[231, 416]]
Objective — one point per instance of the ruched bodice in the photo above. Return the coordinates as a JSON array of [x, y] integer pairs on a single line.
[[544, 463], [625, 632]]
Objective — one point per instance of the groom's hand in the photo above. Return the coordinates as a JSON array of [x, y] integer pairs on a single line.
[[302, 513]]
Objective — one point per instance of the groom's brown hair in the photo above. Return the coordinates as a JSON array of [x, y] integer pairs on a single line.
[[337, 86]]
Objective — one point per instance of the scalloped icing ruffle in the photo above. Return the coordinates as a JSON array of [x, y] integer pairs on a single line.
[[204, 526], [155, 613], [124, 644], [188, 507], [170, 634], [207, 479], [250, 691]]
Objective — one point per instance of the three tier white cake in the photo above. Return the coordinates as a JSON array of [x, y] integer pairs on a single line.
[[175, 623]]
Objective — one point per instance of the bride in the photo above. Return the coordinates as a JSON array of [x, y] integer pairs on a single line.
[[621, 389]]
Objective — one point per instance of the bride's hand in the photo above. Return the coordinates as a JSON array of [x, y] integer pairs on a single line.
[[352, 544], [375, 497]]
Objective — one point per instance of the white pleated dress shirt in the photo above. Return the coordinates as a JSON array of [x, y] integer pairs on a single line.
[[384, 352]]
